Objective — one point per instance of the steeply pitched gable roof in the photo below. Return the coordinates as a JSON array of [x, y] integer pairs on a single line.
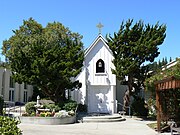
[[98, 38]]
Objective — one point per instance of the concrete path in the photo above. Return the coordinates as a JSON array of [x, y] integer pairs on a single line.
[[128, 127]]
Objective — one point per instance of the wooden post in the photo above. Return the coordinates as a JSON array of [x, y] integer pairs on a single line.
[[162, 86], [158, 111]]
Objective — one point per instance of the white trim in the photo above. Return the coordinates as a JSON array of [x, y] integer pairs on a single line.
[[100, 74], [172, 63], [99, 37]]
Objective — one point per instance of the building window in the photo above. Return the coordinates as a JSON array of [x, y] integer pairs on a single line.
[[25, 85], [11, 83], [11, 89], [11, 95], [25, 97], [100, 67], [3, 83]]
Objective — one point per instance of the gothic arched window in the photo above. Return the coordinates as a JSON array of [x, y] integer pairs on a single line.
[[100, 67]]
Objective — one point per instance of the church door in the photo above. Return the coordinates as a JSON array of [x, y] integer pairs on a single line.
[[98, 99]]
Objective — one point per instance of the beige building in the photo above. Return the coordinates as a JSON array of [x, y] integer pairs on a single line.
[[11, 90]]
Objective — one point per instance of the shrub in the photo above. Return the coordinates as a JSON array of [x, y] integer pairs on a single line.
[[42, 114], [139, 108], [71, 113], [25, 114], [8, 126], [52, 107], [63, 114], [152, 108], [71, 105], [45, 114], [82, 108], [33, 114], [19, 104], [1, 105], [30, 107]]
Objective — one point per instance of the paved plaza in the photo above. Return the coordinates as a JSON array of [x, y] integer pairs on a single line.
[[129, 127]]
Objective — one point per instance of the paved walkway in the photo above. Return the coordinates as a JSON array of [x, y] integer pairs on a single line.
[[128, 127], [131, 126]]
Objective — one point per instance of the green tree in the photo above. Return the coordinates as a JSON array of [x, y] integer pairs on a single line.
[[170, 59], [159, 64], [132, 46], [166, 61], [48, 57], [156, 66]]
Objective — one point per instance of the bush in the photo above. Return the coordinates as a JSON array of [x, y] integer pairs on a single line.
[[71, 105], [138, 107], [64, 114], [42, 114], [52, 107], [19, 104], [30, 107], [152, 108], [1, 105], [71, 113], [25, 114], [82, 108], [45, 114], [33, 114], [8, 126]]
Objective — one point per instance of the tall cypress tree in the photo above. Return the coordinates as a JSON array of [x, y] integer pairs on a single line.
[[132, 46]]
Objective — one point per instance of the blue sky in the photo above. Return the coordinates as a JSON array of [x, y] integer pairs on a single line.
[[82, 16]]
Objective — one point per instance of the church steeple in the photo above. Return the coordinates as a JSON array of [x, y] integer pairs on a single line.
[[99, 26]]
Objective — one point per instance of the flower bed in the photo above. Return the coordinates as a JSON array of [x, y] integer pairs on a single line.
[[48, 120], [49, 114]]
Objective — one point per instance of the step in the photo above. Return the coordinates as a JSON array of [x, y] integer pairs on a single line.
[[107, 118], [104, 117]]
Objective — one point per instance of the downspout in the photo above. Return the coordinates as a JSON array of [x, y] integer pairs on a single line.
[[19, 98], [86, 98], [3, 82]]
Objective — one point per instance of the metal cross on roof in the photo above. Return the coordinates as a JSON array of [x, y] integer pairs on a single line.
[[99, 26]]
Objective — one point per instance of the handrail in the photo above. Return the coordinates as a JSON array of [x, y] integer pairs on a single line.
[[174, 127], [8, 104], [127, 107], [11, 106]]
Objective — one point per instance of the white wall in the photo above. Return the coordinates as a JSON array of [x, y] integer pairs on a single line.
[[100, 51], [92, 82], [79, 95], [120, 91]]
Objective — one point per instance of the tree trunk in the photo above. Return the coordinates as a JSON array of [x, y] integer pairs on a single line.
[[126, 101], [126, 98]]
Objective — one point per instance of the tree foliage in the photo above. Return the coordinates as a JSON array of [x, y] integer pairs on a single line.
[[173, 71], [156, 66], [170, 98], [48, 57], [132, 46]]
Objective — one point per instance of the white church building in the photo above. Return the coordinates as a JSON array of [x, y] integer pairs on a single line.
[[100, 91]]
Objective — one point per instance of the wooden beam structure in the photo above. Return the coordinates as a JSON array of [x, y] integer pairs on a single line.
[[160, 86], [167, 83]]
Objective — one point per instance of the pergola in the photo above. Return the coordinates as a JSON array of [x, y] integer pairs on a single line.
[[163, 85]]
